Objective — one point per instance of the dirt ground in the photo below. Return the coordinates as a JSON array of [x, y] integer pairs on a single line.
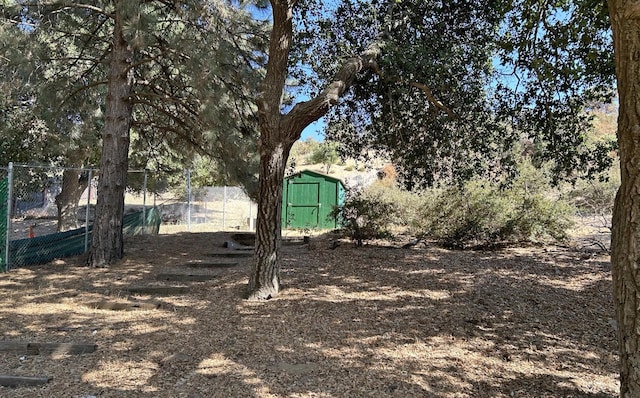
[[376, 321]]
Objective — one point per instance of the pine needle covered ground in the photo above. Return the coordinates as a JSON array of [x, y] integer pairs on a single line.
[[376, 321]]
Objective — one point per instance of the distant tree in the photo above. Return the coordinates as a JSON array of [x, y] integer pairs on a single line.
[[301, 150], [327, 154]]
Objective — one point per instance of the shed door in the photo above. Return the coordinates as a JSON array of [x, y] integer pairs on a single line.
[[303, 204]]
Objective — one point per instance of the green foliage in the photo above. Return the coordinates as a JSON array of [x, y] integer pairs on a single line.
[[366, 214], [480, 213], [490, 76], [476, 213], [196, 68], [26, 137], [456, 216], [325, 153]]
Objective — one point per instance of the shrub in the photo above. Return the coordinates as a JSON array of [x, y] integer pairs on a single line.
[[481, 213], [366, 214], [455, 216], [595, 198], [403, 203], [476, 213]]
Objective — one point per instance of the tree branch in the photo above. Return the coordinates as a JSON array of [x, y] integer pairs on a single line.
[[305, 113], [421, 86], [83, 6], [82, 88], [181, 134], [432, 99]]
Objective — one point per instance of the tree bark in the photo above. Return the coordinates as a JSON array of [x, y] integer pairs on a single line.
[[74, 182], [107, 243], [625, 239], [264, 281], [278, 132]]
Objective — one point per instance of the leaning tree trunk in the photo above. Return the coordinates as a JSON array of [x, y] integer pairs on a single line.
[[74, 182], [625, 239], [278, 132], [107, 243]]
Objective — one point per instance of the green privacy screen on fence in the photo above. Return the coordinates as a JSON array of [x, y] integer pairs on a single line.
[[72, 243], [4, 192]]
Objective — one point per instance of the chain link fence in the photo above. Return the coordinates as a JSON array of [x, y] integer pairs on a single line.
[[187, 208], [48, 211]]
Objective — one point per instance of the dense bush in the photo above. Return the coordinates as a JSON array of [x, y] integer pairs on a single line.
[[459, 215], [366, 214], [477, 213], [481, 213]]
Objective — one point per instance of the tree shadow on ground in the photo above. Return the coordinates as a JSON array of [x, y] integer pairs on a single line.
[[367, 322]]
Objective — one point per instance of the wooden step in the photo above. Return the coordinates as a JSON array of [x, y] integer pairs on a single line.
[[185, 277], [232, 254], [120, 306], [159, 290], [31, 348], [247, 240], [23, 381], [211, 265]]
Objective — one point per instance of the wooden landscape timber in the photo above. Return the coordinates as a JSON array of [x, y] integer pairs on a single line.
[[177, 277], [31, 348], [119, 306], [23, 381], [211, 265], [159, 290], [231, 254]]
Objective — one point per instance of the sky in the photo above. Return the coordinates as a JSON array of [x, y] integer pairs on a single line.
[[315, 130]]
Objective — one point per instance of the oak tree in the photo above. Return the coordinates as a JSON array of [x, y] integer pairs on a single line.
[[625, 239], [429, 83], [556, 56]]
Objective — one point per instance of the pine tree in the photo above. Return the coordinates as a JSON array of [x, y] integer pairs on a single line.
[[179, 75]]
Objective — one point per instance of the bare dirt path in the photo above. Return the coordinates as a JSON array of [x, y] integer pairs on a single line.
[[375, 321]]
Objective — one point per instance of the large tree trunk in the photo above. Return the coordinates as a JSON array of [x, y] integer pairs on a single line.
[[107, 242], [264, 281], [74, 182], [625, 239], [278, 132]]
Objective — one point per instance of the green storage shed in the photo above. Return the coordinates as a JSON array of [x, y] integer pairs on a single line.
[[307, 199]]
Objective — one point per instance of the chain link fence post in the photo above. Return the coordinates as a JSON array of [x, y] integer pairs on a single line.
[[188, 200], [224, 208], [251, 223], [9, 208], [144, 202], [86, 212]]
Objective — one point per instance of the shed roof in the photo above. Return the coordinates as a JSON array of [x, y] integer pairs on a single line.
[[315, 174]]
